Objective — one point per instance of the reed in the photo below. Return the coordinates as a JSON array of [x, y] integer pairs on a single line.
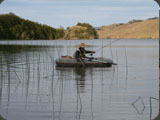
[[1, 79], [110, 43], [117, 65], [102, 48], [150, 99], [31, 74], [126, 62], [92, 88]]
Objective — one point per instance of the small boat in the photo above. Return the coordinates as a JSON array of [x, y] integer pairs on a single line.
[[93, 62]]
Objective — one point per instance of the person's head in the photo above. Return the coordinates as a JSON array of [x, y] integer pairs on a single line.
[[82, 45]]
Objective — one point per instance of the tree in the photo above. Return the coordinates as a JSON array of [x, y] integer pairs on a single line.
[[14, 27], [1, 1], [158, 1]]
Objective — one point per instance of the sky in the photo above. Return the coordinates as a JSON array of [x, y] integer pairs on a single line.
[[66, 13]]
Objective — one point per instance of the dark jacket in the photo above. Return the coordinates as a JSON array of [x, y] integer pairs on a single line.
[[80, 53]]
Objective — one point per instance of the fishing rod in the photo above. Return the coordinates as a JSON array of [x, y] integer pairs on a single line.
[[107, 45]]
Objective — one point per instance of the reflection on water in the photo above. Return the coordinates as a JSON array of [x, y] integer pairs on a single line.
[[80, 79], [32, 88]]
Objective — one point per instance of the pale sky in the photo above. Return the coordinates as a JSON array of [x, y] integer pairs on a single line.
[[67, 13]]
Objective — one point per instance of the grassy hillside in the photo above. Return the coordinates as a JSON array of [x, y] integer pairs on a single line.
[[14, 27], [80, 31], [133, 29]]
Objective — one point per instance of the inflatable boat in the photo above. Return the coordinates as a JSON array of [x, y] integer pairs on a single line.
[[85, 62]]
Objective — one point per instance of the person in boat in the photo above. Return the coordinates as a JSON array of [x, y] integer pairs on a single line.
[[80, 53]]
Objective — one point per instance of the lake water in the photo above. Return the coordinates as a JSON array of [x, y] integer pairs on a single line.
[[33, 88]]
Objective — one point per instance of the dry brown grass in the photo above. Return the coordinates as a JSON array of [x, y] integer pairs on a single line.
[[145, 29]]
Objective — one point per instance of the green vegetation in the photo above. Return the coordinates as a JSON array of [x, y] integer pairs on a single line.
[[14, 27], [158, 1], [90, 30], [1, 1], [158, 117], [81, 31], [1, 118]]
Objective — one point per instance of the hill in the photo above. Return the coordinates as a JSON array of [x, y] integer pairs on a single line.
[[14, 27], [136, 29], [80, 31]]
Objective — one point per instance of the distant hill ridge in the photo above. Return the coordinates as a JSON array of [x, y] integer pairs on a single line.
[[14, 27], [134, 29]]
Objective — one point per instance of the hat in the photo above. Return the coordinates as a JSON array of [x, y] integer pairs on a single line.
[[83, 45]]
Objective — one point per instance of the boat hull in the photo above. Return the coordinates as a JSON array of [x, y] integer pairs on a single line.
[[96, 62]]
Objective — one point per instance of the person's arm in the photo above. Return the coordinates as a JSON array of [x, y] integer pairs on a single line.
[[87, 51]]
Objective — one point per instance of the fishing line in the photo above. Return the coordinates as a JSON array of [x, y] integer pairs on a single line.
[[107, 45]]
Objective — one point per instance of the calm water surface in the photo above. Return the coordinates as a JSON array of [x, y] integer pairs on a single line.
[[33, 88]]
